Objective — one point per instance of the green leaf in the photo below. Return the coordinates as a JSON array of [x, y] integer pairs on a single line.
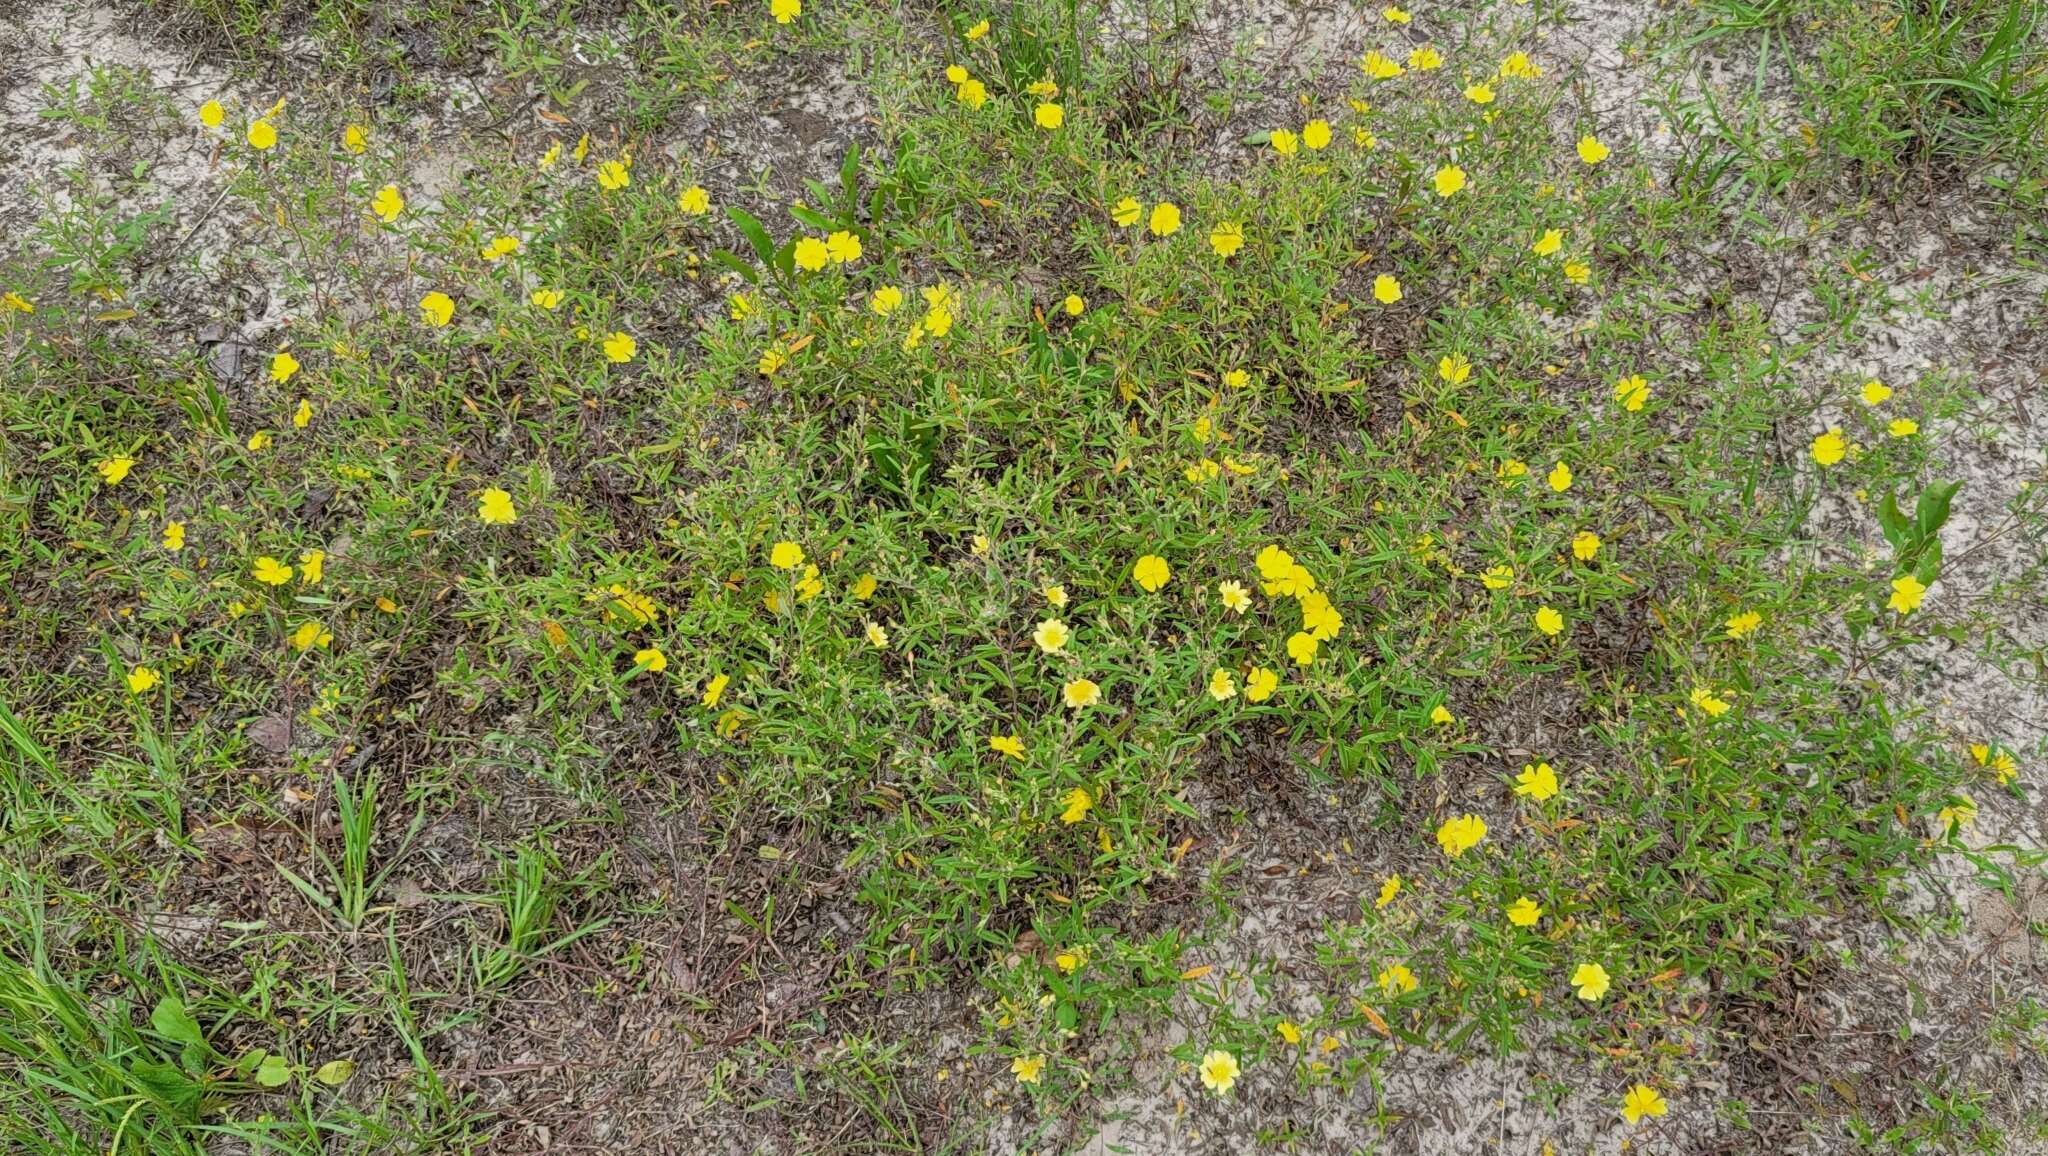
[[1932, 511], [173, 1022], [1929, 567], [737, 264], [751, 229], [335, 1073], [1896, 529], [273, 1072], [849, 177], [812, 218]]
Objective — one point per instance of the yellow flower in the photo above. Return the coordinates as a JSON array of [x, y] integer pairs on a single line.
[[1395, 15], [1560, 478], [1043, 89], [1226, 238], [309, 635], [1236, 378], [1315, 135], [695, 201], [174, 536], [495, 508], [548, 299], [1592, 981], [843, 247], [1591, 150], [1070, 961], [1549, 243], [1425, 58], [355, 138], [1288, 1031], [438, 308], [1632, 391], [1537, 781], [1051, 636], [1379, 67], [1876, 392], [1461, 834], [1076, 803], [1126, 212], [1449, 179], [1164, 220], [1513, 469], [1705, 699], [651, 660], [1744, 623], [1903, 427], [612, 175], [282, 366], [877, 637], [500, 247], [1081, 693], [1284, 142], [811, 254], [1048, 115], [742, 307], [1396, 979], [16, 303], [979, 545], [1517, 64], [258, 441], [715, 689], [1236, 598], [1498, 577], [271, 572], [1642, 1100], [1577, 272], [1549, 621], [864, 587], [1302, 647], [1222, 687], [312, 566], [1151, 572], [114, 470], [978, 31], [1524, 912], [1074, 305], [1319, 619], [786, 556], [1907, 594], [1479, 93], [1219, 1072], [142, 680], [549, 158], [885, 300], [1441, 715], [1961, 812], [1389, 888], [1009, 745], [262, 135], [1055, 595], [1386, 289], [1585, 544], [619, 348], [303, 416], [1455, 369], [211, 114], [1027, 1069]]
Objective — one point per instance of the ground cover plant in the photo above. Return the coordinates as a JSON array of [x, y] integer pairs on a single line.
[[773, 577]]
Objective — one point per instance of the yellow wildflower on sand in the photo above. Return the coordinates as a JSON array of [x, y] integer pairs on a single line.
[[1051, 636], [1075, 804], [271, 572], [1537, 781], [1642, 1100], [1460, 834], [1449, 179], [1591, 150], [1907, 594], [1549, 621], [1524, 912], [1219, 1071], [1592, 981]]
